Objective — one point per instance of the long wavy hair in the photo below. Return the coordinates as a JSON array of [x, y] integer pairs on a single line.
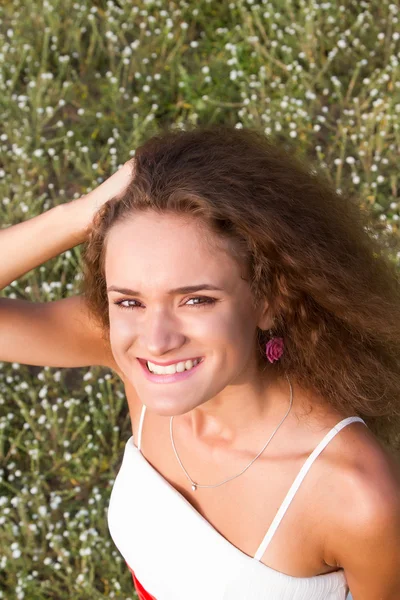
[[333, 291]]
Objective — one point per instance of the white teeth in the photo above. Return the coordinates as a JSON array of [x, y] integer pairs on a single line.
[[171, 369]]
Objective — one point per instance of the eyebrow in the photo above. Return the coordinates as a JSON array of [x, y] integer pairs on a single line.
[[187, 289]]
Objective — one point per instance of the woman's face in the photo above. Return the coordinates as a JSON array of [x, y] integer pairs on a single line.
[[148, 258]]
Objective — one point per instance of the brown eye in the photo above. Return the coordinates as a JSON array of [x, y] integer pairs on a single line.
[[205, 300], [120, 303]]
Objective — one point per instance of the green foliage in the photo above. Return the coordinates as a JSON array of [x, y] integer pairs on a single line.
[[82, 84]]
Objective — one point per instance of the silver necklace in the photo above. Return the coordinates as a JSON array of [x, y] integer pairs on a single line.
[[197, 485]]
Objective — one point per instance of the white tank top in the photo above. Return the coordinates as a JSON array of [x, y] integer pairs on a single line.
[[176, 554]]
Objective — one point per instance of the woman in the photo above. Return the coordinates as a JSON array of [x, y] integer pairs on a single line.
[[256, 327]]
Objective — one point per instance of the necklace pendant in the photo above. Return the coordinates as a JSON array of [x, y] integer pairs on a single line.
[[194, 487]]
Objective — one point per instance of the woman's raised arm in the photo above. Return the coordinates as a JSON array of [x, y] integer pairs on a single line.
[[59, 333], [29, 244]]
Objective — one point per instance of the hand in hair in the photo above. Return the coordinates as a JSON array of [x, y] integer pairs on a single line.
[[113, 187]]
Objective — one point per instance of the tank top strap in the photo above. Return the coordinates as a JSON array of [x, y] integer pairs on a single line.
[[139, 444], [296, 484]]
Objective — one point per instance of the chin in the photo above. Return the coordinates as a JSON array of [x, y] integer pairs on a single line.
[[169, 408]]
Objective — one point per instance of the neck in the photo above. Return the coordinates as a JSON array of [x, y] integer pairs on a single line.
[[242, 411]]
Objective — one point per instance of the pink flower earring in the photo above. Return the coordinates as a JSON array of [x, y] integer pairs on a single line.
[[274, 348]]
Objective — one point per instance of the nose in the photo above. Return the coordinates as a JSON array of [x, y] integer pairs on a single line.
[[160, 334]]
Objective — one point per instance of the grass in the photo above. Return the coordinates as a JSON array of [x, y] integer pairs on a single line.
[[82, 85]]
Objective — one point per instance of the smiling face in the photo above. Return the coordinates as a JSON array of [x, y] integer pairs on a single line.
[[151, 255]]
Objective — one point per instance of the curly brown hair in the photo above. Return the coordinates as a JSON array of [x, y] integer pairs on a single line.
[[333, 291]]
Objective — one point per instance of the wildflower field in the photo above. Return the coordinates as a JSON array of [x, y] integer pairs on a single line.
[[82, 84]]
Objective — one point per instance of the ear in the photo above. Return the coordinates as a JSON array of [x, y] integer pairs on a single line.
[[264, 320]]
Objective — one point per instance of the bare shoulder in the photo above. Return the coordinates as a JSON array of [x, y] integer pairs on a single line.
[[365, 476], [363, 513]]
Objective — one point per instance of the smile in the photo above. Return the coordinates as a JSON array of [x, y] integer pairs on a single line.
[[178, 367], [170, 373]]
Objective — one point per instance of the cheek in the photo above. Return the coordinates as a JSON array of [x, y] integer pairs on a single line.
[[120, 330], [233, 330], [241, 332]]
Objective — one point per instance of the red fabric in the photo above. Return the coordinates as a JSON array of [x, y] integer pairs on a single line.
[[141, 592]]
